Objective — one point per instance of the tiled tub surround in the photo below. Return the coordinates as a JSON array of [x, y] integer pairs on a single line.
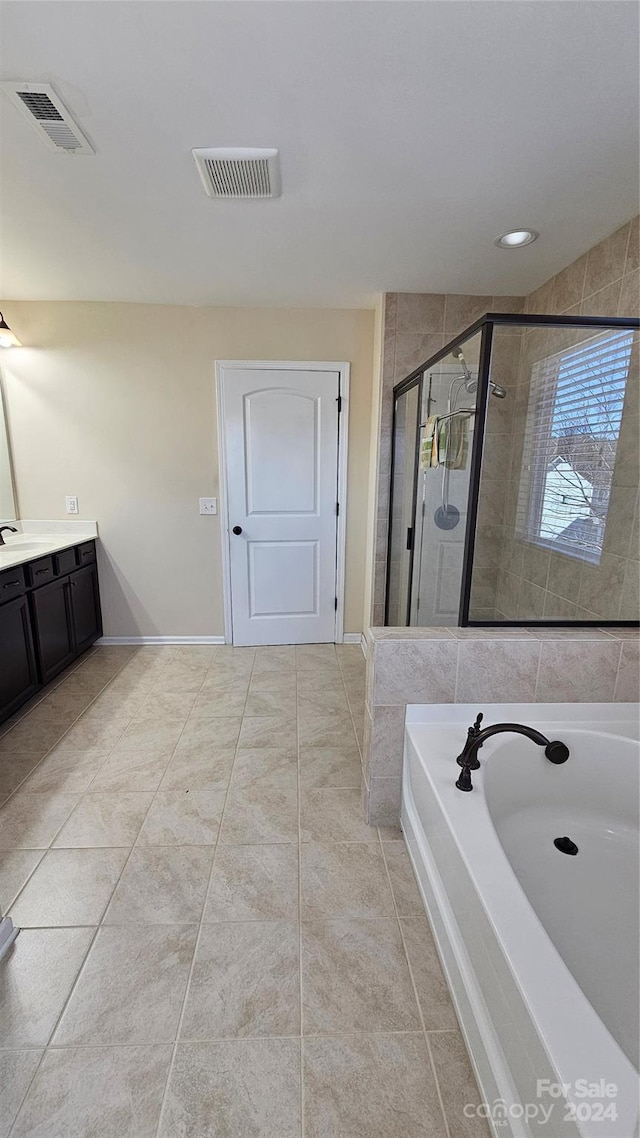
[[476, 665], [213, 942]]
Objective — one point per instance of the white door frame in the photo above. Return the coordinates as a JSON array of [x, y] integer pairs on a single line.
[[343, 369]]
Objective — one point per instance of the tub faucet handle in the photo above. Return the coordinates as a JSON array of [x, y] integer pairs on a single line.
[[475, 730], [472, 734]]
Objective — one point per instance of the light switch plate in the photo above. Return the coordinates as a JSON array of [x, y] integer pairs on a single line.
[[208, 505], [71, 504]]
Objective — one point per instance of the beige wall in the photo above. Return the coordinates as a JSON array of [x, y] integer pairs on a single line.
[[116, 403]]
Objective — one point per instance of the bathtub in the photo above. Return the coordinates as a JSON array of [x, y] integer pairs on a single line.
[[540, 947]]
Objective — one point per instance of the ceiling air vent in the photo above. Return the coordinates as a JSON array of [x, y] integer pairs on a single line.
[[239, 172], [44, 110]]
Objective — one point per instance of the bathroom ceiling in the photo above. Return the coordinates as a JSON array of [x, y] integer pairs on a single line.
[[410, 136]]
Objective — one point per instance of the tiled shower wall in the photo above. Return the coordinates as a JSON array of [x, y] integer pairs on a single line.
[[603, 281], [532, 583], [415, 326], [460, 665]]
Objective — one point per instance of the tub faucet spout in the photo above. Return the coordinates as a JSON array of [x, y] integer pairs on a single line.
[[555, 751]]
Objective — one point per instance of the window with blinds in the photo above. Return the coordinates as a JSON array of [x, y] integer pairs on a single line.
[[571, 434]]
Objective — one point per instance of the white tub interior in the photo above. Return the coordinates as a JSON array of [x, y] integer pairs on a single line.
[[540, 948]]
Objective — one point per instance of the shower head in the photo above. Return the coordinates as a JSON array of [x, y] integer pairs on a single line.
[[496, 389], [457, 354]]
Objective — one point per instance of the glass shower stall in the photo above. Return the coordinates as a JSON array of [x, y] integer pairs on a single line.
[[514, 477]]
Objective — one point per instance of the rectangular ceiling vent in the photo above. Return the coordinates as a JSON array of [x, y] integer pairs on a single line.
[[48, 114], [239, 172]]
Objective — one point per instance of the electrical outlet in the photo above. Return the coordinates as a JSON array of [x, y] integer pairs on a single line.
[[208, 505], [71, 504]]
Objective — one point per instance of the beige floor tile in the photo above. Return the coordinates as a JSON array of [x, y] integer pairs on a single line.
[[223, 703], [15, 868], [330, 767], [114, 1092], [210, 734], [183, 818], [31, 821], [322, 703], [403, 882], [70, 772], [370, 1087], [431, 986], [37, 977], [195, 768], [310, 682], [260, 816], [100, 733], [390, 833], [132, 770], [333, 816], [355, 978], [253, 883], [17, 1069], [280, 657], [344, 880], [131, 988], [277, 682], [105, 819], [279, 703], [245, 982], [333, 730], [265, 766], [69, 887], [149, 735], [161, 704], [162, 885], [29, 735], [457, 1085], [14, 769], [268, 731], [242, 1089]]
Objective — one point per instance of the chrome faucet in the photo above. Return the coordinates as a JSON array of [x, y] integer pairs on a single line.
[[12, 529], [555, 751]]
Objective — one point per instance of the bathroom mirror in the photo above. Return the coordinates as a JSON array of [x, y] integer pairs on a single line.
[[7, 494]]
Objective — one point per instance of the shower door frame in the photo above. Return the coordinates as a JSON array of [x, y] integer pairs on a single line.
[[416, 379], [486, 324]]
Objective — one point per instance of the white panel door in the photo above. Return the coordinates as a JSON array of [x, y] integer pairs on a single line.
[[281, 440]]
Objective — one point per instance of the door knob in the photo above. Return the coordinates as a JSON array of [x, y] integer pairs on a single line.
[[237, 530]]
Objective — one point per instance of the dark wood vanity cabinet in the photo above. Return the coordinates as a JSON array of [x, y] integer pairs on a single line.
[[55, 619], [18, 673]]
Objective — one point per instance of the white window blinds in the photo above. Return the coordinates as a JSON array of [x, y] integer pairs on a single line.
[[571, 433]]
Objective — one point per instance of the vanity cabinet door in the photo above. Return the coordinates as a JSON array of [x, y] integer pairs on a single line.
[[53, 629], [85, 607], [18, 674]]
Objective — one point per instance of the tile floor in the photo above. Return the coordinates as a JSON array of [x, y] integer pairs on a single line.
[[213, 942]]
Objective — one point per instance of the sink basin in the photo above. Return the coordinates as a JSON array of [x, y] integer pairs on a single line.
[[19, 546]]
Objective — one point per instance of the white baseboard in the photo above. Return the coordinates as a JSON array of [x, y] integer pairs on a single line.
[[104, 640], [363, 645], [351, 638]]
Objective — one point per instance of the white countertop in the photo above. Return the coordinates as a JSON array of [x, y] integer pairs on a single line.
[[38, 538]]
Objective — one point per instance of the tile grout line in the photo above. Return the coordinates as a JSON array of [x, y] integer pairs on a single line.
[[425, 1034], [176, 1041]]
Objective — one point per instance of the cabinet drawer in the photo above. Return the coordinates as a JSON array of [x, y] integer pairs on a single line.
[[86, 552], [11, 583], [40, 571], [64, 562]]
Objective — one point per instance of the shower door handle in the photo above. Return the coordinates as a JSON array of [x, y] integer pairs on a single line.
[[410, 537]]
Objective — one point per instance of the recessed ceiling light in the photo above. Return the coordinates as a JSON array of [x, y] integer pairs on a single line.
[[516, 238]]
